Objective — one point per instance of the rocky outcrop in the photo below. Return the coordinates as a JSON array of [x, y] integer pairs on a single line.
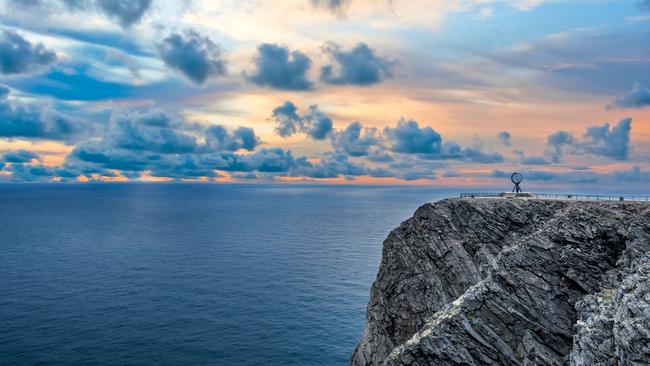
[[512, 282]]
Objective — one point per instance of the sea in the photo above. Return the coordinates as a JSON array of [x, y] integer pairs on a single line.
[[191, 274]]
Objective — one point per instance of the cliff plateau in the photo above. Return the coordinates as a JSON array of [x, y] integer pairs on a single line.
[[513, 282]]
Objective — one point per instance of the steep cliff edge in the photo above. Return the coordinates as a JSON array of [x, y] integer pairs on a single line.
[[512, 282]]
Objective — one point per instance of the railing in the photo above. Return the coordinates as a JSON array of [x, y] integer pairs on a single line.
[[557, 196]]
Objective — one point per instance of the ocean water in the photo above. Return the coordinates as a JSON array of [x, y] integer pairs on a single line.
[[191, 274]]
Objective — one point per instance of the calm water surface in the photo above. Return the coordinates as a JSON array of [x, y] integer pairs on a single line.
[[190, 274]]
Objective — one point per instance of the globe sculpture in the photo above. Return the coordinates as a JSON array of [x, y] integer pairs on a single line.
[[517, 178]]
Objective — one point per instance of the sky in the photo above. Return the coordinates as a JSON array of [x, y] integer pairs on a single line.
[[446, 93]]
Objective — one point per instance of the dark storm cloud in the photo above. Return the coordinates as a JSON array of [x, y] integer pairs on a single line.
[[359, 66], [19, 55], [314, 123], [278, 68], [638, 97], [194, 55], [37, 121], [504, 137]]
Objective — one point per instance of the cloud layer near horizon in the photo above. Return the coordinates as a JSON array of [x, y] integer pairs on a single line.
[[322, 90]]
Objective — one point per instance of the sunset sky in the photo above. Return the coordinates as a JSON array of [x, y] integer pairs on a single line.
[[448, 93]]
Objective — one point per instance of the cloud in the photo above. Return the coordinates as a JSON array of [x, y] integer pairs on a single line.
[[126, 12], [374, 145], [287, 120], [332, 5], [18, 55], [273, 160], [644, 5], [219, 139], [417, 174], [377, 154], [333, 166], [635, 174], [475, 154], [409, 138], [638, 97], [576, 60], [158, 131], [601, 140], [37, 121], [30, 173], [611, 142], [358, 66], [318, 126], [18, 156], [278, 68], [105, 156], [195, 56], [574, 177], [314, 123], [166, 145], [182, 167], [352, 142], [504, 137], [270, 160], [556, 141], [22, 168], [151, 130], [532, 160]]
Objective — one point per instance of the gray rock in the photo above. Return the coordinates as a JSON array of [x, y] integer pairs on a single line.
[[512, 282]]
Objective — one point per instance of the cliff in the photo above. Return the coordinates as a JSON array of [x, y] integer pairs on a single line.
[[513, 282]]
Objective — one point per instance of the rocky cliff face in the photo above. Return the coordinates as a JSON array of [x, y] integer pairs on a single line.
[[513, 282]]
